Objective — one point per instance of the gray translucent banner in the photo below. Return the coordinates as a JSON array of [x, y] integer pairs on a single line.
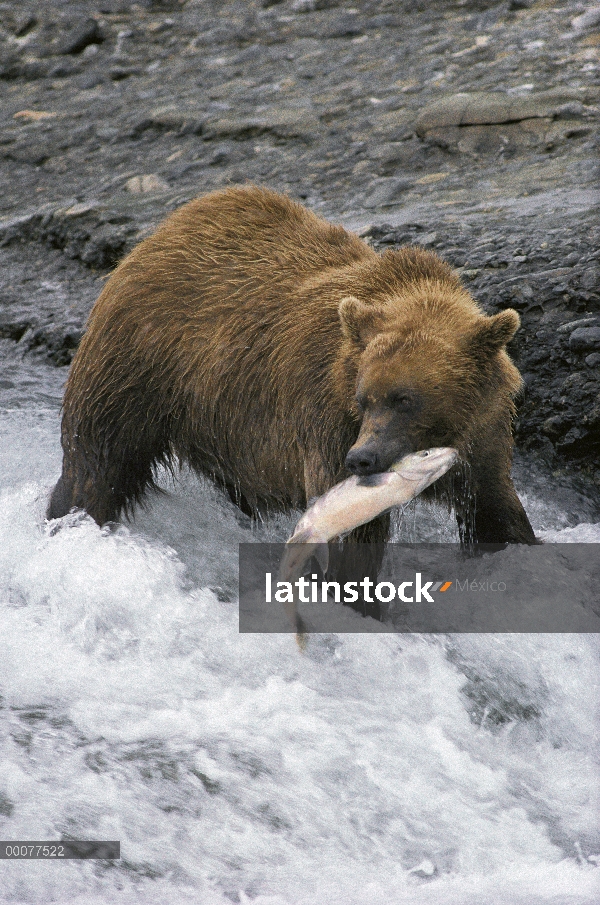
[[53, 850], [420, 588]]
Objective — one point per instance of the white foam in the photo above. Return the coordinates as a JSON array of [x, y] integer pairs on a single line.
[[584, 533], [373, 769]]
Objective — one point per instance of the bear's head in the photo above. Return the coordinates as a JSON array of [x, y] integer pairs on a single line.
[[431, 370]]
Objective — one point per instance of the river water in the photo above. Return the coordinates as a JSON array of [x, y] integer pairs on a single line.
[[373, 769]]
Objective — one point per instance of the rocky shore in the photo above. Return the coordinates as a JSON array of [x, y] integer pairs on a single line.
[[468, 127]]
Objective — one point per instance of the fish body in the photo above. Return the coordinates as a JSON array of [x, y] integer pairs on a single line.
[[356, 501]]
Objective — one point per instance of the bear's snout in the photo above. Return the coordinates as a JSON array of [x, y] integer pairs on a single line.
[[363, 461]]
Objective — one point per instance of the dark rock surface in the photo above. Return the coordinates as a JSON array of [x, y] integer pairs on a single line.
[[469, 127]]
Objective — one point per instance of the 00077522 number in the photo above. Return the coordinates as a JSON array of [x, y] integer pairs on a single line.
[[33, 850]]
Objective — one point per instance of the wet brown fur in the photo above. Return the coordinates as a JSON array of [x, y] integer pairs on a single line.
[[232, 338]]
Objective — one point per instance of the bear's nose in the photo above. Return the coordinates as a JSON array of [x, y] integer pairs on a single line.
[[362, 461]]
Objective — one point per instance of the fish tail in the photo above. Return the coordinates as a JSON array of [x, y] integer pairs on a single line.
[[305, 536], [301, 634]]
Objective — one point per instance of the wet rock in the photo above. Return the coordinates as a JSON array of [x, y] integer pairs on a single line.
[[509, 138], [585, 339], [118, 73], [572, 325], [171, 118], [91, 80], [23, 23], [346, 26], [150, 182], [11, 328], [488, 108], [589, 19], [485, 122], [385, 192], [58, 341], [309, 6], [63, 69], [31, 152], [33, 116], [78, 36], [290, 123], [11, 66], [83, 231]]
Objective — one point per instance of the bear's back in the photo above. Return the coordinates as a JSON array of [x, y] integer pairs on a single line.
[[248, 234], [245, 249], [258, 226]]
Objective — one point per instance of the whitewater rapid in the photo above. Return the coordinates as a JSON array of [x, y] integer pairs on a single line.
[[373, 770]]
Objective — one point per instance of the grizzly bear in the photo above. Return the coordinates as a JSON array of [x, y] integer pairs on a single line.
[[275, 353]]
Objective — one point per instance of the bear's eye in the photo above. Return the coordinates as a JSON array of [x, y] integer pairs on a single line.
[[400, 400]]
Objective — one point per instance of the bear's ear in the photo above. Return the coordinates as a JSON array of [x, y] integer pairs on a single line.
[[360, 322], [492, 333]]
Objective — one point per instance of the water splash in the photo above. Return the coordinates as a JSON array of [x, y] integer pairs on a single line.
[[372, 769]]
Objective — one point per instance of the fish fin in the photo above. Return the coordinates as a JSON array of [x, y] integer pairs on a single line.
[[321, 552], [302, 537], [374, 480], [307, 536]]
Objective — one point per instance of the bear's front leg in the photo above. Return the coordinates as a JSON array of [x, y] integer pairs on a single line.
[[492, 513], [360, 556]]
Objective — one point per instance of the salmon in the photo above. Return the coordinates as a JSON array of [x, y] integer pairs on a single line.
[[354, 502]]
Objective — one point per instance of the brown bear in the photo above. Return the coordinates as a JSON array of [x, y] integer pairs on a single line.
[[275, 352]]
